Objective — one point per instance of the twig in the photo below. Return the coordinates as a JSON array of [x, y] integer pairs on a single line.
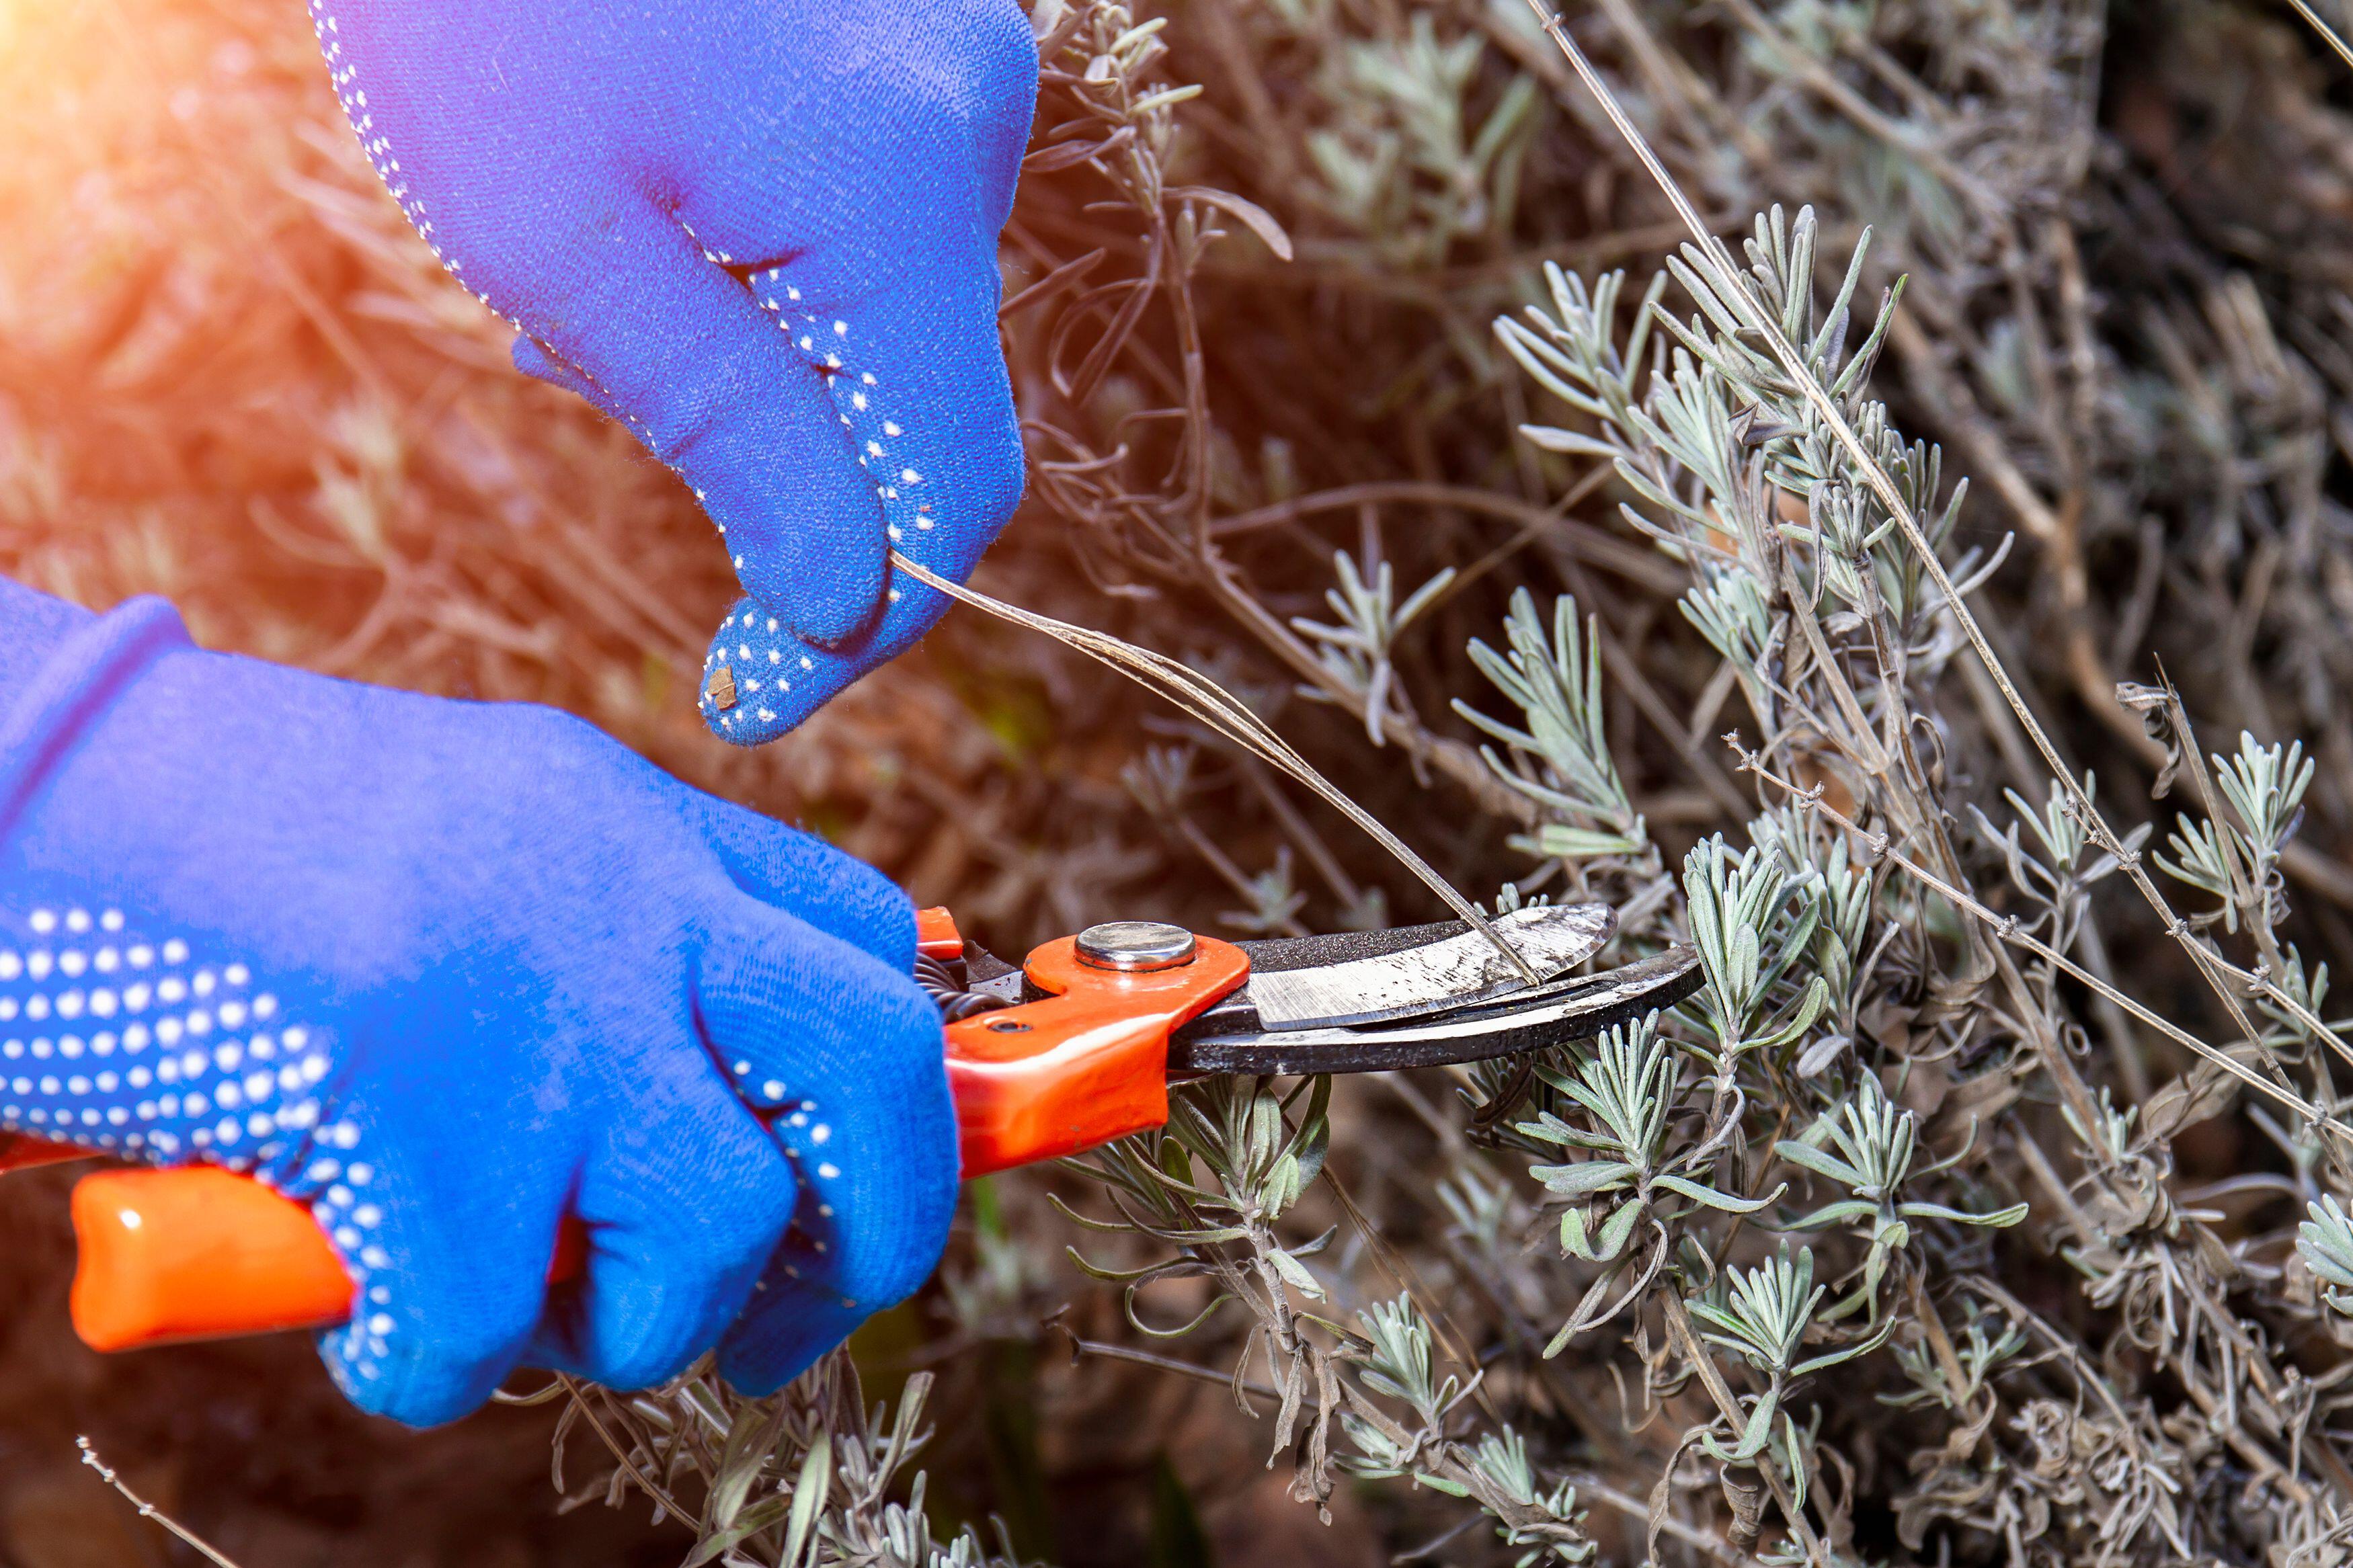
[[148, 1510], [1205, 699], [1582, 540], [2304, 8], [1082, 1347], [579, 1391], [1635, 1507], [1679, 1325]]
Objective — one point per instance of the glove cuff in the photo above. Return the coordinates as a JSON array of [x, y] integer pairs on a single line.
[[85, 670]]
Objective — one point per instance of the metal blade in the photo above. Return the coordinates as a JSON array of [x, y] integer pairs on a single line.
[[1442, 975], [1569, 1009]]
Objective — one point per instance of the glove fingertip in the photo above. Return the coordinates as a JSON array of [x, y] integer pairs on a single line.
[[788, 1326], [399, 1388], [758, 682], [429, 1342]]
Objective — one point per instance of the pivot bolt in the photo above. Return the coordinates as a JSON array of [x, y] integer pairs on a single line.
[[1136, 946]]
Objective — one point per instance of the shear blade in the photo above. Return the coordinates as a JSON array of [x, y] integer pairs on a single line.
[[1572, 1008], [1317, 981]]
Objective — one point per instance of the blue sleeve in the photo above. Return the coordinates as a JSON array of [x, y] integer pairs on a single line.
[[31, 626], [66, 670]]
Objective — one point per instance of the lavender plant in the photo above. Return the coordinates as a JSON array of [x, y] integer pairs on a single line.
[[1925, 1133]]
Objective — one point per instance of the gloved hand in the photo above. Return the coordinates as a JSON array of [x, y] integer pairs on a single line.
[[603, 175], [442, 969]]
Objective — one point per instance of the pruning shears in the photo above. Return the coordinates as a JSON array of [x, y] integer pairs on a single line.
[[1072, 1049]]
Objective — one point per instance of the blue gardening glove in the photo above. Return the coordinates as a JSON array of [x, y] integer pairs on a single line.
[[442, 970], [761, 233]]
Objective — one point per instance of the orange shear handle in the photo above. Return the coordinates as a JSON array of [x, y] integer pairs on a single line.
[[1086, 1064], [198, 1252]]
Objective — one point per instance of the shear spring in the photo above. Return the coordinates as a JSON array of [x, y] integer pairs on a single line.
[[945, 983]]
